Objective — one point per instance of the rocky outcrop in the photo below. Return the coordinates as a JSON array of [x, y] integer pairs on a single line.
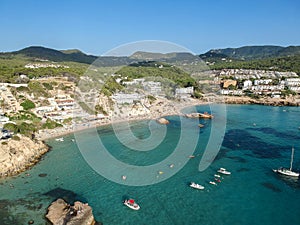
[[19, 153], [163, 121], [61, 213], [204, 115], [262, 101]]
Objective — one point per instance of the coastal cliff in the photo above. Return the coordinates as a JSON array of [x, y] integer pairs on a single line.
[[19, 153], [61, 213]]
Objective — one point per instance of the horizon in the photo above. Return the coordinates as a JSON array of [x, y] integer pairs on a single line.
[[97, 27], [198, 53]]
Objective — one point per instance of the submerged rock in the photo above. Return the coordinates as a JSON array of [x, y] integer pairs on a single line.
[[61, 213]]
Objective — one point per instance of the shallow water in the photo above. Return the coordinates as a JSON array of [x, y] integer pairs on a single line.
[[257, 139]]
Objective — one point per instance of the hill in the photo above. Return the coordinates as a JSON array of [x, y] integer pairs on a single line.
[[54, 55], [75, 55], [251, 52]]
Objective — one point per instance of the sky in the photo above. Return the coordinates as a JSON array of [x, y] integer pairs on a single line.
[[97, 26]]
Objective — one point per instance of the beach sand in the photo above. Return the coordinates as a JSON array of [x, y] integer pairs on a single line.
[[165, 108]]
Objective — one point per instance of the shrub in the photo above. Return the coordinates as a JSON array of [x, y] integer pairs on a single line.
[[50, 124], [48, 86], [11, 127]]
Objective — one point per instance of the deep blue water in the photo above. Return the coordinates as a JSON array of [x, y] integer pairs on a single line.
[[257, 139]]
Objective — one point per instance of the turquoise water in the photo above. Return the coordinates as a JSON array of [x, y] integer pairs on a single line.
[[257, 139]]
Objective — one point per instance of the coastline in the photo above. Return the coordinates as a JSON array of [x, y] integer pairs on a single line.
[[290, 101], [156, 113], [167, 109]]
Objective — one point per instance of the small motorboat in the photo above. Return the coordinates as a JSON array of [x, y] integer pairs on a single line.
[[224, 171], [217, 175], [59, 139], [196, 186], [124, 177], [131, 204], [191, 156], [171, 165], [212, 182]]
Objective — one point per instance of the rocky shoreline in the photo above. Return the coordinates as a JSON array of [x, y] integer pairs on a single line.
[[20, 153], [263, 101]]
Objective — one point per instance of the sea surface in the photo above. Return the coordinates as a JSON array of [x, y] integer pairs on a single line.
[[256, 140]]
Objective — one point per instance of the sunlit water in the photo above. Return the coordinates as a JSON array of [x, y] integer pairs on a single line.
[[258, 138]]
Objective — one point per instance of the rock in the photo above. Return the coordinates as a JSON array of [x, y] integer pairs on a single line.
[[163, 121], [17, 155], [61, 213]]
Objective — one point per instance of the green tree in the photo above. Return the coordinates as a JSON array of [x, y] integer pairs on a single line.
[[27, 104]]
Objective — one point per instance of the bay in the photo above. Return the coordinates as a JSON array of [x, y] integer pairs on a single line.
[[257, 139]]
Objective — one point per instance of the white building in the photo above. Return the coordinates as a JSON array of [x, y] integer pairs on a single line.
[[122, 98], [154, 88], [295, 88], [247, 84], [43, 109], [184, 92], [263, 81], [134, 81], [292, 82], [267, 87], [231, 92]]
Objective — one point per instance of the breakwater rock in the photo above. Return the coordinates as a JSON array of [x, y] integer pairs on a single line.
[[19, 153], [61, 213]]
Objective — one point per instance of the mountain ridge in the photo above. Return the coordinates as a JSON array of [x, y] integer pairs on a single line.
[[244, 53], [252, 52]]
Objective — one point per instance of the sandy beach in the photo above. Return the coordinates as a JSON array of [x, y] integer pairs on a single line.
[[168, 108], [163, 108]]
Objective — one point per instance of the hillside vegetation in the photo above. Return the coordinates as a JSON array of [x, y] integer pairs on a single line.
[[156, 69], [286, 63], [252, 52]]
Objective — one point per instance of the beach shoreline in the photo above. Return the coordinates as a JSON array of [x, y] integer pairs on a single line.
[[45, 135], [156, 113], [167, 109]]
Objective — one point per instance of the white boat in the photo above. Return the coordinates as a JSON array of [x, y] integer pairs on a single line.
[[288, 172], [224, 171], [196, 186], [212, 182], [131, 204], [217, 175], [59, 139]]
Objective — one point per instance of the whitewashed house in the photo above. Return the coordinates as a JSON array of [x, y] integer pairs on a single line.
[[247, 84]]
